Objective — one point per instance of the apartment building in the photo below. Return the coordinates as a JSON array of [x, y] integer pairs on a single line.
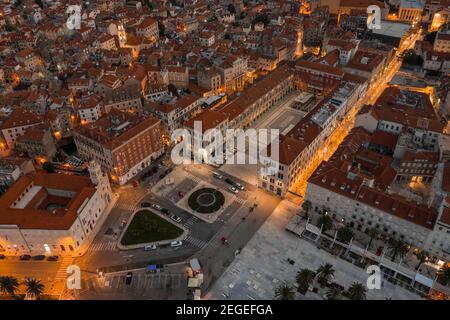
[[178, 76], [16, 124], [408, 114], [359, 187], [367, 65], [122, 143], [91, 109], [174, 114], [125, 98], [232, 71], [300, 144], [442, 42], [149, 29], [317, 78], [37, 142]]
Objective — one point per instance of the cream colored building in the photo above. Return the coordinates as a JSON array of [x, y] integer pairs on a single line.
[[49, 214]]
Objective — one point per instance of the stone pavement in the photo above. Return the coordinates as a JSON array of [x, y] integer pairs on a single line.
[[262, 264]]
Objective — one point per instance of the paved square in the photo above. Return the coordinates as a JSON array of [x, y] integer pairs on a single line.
[[262, 264]]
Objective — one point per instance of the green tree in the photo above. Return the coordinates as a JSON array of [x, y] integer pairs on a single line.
[[231, 8], [444, 275], [372, 233], [8, 285], [148, 4], [345, 234], [397, 247], [304, 279], [325, 273], [162, 28], [334, 293], [35, 288], [325, 222], [306, 206], [422, 257], [410, 57], [39, 3], [284, 292], [356, 292]]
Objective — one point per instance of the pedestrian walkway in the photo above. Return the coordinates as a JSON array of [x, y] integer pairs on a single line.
[[195, 242], [240, 200], [61, 274], [103, 246]]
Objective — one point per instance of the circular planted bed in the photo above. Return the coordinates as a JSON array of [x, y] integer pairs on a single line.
[[206, 200]]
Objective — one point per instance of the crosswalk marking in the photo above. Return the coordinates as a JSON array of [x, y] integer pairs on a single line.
[[195, 242], [190, 222], [102, 246], [240, 200], [126, 206], [192, 177], [61, 274]]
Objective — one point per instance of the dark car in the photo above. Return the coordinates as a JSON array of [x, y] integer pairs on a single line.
[[128, 278], [165, 211], [25, 257], [53, 258], [2, 256], [162, 176], [229, 181], [39, 257], [145, 204]]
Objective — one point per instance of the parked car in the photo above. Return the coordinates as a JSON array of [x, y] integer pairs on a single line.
[[218, 176], [25, 257], [2, 256], [128, 278], [176, 218], [39, 257], [233, 189], [174, 244], [52, 258], [229, 181], [156, 206], [239, 186], [150, 247], [145, 204], [165, 211]]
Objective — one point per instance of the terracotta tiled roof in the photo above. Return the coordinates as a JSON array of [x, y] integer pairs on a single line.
[[34, 218]]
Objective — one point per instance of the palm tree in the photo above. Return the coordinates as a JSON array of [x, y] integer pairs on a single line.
[[8, 285], [304, 278], [326, 222], [35, 288], [345, 234], [372, 233], [284, 292], [334, 293], [356, 292], [306, 205], [422, 257], [398, 247], [324, 273], [444, 275]]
